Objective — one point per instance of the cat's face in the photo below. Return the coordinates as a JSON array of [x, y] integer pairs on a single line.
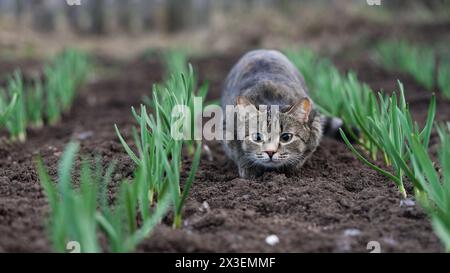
[[291, 138]]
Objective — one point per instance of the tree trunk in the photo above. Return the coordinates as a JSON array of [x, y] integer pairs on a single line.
[[201, 13], [97, 17], [147, 9], [124, 14], [177, 14], [73, 18], [43, 17], [19, 10]]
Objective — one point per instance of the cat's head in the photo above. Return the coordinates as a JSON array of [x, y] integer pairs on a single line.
[[293, 134]]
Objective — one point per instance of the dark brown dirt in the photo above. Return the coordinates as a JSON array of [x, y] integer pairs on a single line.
[[29, 68], [337, 204]]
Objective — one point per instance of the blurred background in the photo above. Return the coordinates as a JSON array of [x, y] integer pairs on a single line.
[[121, 28]]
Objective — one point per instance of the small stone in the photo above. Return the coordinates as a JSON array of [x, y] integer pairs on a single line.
[[352, 232], [205, 207], [84, 135], [208, 152], [52, 148], [407, 203], [272, 240], [390, 241], [92, 100]]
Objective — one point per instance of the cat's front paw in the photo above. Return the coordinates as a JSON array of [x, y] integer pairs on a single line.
[[293, 171], [249, 173]]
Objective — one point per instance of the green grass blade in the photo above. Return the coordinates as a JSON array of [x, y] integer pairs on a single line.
[[8, 110], [191, 177], [126, 147], [368, 163]]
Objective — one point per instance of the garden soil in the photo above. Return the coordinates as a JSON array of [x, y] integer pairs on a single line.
[[336, 204]]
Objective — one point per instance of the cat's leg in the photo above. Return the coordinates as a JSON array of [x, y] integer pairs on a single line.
[[293, 171], [231, 148], [249, 172]]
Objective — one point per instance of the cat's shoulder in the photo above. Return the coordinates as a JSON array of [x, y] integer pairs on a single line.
[[264, 54], [259, 61]]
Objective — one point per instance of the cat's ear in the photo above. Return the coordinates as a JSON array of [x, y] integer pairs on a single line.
[[244, 102], [301, 109]]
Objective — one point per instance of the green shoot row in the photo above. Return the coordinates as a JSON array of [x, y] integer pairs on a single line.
[[157, 151], [416, 61], [30, 106], [6, 108], [63, 77], [444, 78], [378, 118], [390, 128], [434, 182], [81, 215], [336, 95], [387, 128], [419, 61], [175, 62], [16, 120]]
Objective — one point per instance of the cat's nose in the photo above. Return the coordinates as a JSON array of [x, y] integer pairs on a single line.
[[270, 153]]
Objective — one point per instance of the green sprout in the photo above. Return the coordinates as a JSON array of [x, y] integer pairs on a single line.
[[72, 213], [35, 103], [186, 81], [444, 78], [6, 106], [418, 61], [175, 62], [79, 215], [68, 71], [120, 224], [158, 152], [161, 156], [415, 60], [384, 123], [29, 104], [16, 123], [52, 109], [389, 128], [336, 95], [435, 182]]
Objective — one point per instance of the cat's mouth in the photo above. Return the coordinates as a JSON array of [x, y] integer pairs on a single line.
[[275, 160]]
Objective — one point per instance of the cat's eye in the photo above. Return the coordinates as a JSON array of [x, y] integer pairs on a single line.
[[257, 137], [286, 137]]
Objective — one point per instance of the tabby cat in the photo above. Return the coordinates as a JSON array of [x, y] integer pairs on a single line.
[[262, 79]]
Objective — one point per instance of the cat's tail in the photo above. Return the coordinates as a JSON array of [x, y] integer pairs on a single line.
[[331, 126]]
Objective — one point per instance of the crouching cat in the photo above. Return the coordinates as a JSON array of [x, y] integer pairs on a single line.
[[267, 78]]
